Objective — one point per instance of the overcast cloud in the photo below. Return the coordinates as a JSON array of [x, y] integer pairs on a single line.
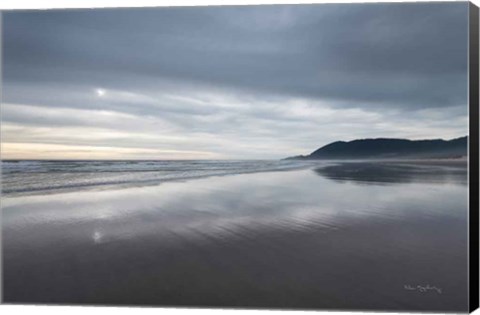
[[230, 82]]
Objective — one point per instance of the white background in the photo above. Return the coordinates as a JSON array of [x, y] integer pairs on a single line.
[[53, 310]]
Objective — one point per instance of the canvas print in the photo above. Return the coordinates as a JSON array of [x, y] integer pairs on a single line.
[[269, 156]]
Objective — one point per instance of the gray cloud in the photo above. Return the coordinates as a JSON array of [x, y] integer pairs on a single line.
[[294, 76], [401, 53]]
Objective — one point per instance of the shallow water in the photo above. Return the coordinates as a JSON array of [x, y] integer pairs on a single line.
[[358, 235], [25, 177]]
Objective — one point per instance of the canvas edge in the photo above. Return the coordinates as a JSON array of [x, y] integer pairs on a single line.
[[473, 157]]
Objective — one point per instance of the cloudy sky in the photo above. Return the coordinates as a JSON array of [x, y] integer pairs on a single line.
[[230, 82]]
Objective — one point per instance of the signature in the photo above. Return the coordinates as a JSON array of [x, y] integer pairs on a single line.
[[423, 289]]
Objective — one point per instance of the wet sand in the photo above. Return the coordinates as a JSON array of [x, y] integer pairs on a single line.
[[352, 236]]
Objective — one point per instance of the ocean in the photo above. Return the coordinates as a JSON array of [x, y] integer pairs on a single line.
[[44, 176]]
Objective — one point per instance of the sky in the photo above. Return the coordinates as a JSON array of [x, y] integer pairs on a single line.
[[243, 82]]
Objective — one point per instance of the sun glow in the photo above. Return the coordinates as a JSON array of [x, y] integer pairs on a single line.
[[100, 92]]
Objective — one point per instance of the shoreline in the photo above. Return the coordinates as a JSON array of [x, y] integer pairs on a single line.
[[311, 164]]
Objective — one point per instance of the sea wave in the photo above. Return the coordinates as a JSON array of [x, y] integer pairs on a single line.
[[26, 177]]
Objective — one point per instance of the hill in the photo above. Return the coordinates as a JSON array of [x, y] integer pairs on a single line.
[[385, 148]]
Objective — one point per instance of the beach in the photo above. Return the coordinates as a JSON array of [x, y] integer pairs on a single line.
[[361, 235]]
